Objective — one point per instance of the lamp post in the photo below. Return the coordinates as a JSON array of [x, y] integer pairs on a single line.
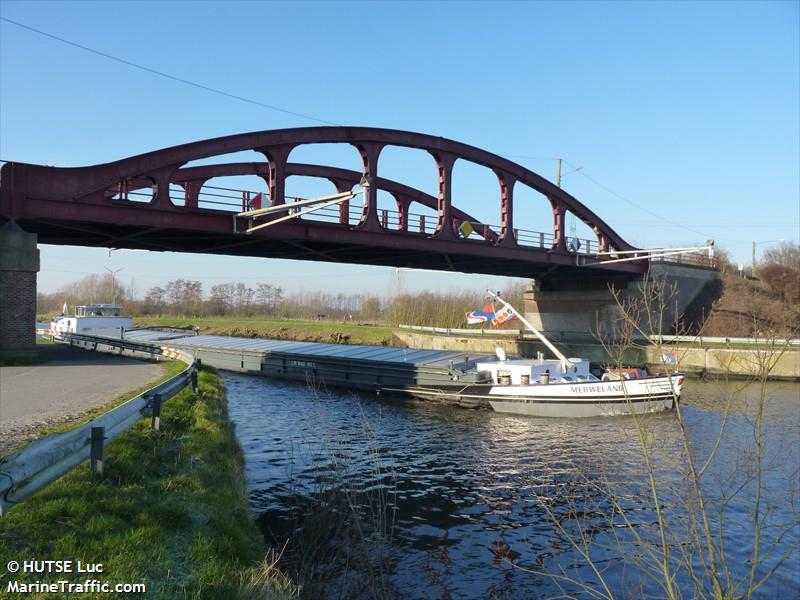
[[114, 283], [572, 224]]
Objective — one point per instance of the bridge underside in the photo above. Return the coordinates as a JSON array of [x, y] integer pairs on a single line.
[[306, 241]]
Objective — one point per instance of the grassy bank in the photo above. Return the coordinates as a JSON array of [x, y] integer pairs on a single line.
[[170, 512], [275, 328]]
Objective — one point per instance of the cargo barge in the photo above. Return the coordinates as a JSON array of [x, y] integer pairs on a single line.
[[365, 368], [560, 387]]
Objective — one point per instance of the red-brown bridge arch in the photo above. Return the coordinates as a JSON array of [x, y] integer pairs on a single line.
[[77, 206]]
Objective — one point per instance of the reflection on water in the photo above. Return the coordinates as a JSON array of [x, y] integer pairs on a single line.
[[466, 493]]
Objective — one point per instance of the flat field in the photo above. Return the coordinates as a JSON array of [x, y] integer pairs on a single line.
[[276, 328]]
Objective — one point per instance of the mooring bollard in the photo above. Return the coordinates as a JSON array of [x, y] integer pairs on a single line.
[[155, 419], [96, 452]]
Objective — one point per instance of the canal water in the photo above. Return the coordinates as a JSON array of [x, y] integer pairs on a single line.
[[378, 497]]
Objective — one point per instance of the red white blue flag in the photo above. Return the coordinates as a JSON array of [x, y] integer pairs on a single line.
[[503, 315], [481, 316]]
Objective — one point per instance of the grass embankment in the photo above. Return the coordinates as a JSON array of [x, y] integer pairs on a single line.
[[275, 328], [170, 512]]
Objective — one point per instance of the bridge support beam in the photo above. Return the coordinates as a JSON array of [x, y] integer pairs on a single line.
[[19, 263], [569, 305]]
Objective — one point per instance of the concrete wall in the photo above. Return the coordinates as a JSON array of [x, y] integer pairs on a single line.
[[696, 360], [577, 345], [570, 305], [736, 362], [19, 263]]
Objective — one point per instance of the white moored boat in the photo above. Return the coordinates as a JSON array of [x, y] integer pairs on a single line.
[[561, 387]]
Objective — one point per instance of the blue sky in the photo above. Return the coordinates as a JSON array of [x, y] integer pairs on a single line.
[[685, 117]]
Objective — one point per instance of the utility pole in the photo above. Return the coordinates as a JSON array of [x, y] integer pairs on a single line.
[[558, 172], [753, 271], [114, 283], [572, 224]]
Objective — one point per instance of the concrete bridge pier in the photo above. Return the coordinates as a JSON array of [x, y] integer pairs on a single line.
[[19, 263], [571, 305]]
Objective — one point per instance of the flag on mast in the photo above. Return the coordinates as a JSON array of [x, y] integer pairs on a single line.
[[481, 316], [504, 314]]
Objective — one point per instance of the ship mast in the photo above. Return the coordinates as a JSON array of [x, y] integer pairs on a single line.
[[565, 362]]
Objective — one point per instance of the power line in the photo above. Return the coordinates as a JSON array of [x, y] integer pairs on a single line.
[[529, 157], [166, 75], [323, 121], [647, 210]]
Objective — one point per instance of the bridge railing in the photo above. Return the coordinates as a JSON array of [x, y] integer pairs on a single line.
[[236, 200], [26, 471], [697, 259]]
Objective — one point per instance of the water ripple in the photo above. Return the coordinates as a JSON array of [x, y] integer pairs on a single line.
[[470, 492]]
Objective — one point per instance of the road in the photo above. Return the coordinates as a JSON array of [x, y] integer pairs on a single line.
[[70, 383]]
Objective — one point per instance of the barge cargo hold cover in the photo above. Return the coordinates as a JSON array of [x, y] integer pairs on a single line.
[[357, 367]]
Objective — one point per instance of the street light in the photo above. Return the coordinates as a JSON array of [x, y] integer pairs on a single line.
[[572, 224], [558, 171], [114, 283]]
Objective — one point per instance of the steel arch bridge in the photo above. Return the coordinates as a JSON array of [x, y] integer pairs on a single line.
[[97, 206]]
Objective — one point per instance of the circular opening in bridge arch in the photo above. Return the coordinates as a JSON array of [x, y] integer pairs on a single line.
[[580, 237], [476, 192], [422, 218], [341, 155], [533, 217], [235, 193], [411, 167], [388, 214], [245, 157], [134, 189], [177, 193]]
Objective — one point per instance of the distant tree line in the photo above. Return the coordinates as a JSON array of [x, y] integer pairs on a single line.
[[92, 289], [187, 298], [746, 306]]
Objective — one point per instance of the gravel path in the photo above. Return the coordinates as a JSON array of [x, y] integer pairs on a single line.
[[69, 384]]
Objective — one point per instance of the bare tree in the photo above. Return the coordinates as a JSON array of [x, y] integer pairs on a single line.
[[692, 490], [155, 300]]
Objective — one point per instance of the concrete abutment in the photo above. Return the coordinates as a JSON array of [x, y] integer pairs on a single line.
[[572, 305], [19, 264]]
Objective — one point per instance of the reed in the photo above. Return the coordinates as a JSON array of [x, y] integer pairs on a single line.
[[338, 539], [665, 524]]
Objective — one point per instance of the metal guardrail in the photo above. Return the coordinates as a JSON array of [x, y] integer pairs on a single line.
[[703, 339], [670, 339], [25, 472]]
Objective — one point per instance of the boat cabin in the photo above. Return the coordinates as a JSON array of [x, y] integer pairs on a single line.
[[525, 371], [91, 318]]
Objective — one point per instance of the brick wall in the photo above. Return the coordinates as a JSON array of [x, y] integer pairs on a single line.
[[17, 311], [19, 263]]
